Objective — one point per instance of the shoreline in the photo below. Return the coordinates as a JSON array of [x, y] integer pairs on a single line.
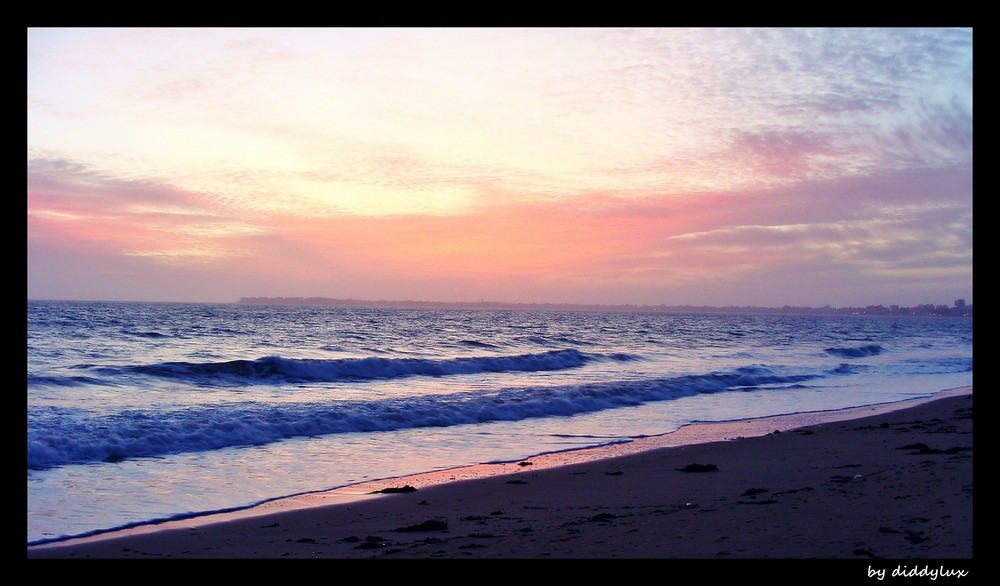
[[603, 469]]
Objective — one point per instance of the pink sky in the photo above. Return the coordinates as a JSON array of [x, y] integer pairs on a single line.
[[645, 166]]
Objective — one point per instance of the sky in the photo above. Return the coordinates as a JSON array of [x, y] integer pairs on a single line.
[[766, 167]]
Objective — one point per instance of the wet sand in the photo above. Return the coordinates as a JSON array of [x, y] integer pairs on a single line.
[[872, 484]]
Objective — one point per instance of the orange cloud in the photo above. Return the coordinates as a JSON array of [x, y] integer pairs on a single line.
[[582, 248]]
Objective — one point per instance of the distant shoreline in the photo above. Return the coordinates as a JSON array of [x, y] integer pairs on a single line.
[[916, 310]]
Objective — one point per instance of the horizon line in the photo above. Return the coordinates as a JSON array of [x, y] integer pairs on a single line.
[[350, 301]]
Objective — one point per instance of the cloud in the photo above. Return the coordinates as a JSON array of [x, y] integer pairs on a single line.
[[70, 206], [607, 163]]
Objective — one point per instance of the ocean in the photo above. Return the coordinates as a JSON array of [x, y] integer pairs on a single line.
[[145, 412]]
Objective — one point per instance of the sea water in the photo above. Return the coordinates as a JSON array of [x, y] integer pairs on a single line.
[[140, 412]]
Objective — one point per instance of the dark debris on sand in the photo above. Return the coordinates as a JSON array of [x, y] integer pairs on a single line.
[[699, 468], [395, 489], [920, 449], [431, 525]]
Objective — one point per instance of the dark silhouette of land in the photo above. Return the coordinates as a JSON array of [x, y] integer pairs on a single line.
[[958, 309]]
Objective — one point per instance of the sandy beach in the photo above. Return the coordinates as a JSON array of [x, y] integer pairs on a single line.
[[893, 485]]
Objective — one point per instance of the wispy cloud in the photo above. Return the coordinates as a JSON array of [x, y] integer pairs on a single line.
[[606, 164]]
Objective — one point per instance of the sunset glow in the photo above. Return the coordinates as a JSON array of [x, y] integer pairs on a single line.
[[644, 166]]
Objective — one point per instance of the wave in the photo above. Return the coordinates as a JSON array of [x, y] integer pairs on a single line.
[[856, 352], [63, 381], [148, 334], [276, 369], [847, 369], [478, 344], [58, 436]]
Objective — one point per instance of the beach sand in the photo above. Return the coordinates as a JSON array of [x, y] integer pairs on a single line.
[[896, 485]]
